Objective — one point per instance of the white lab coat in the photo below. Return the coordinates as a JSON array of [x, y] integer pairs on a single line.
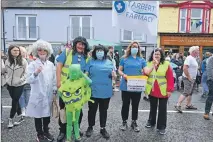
[[42, 86]]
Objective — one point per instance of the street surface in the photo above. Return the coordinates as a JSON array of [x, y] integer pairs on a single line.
[[187, 127]]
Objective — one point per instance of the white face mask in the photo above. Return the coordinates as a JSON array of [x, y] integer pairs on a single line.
[[43, 57]]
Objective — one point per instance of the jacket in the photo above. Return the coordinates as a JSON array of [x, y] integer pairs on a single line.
[[209, 68], [42, 88], [157, 92], [15, 74]]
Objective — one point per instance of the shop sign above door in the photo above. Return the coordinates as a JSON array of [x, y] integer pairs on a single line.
[[186, 41]]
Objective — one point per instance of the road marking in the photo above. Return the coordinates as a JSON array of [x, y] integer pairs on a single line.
[[169, 111], [173, 111], [6, 106]]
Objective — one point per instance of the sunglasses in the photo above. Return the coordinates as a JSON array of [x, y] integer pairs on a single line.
[[40, 50]]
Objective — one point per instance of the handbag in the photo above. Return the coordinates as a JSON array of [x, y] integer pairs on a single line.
[[63, 116], [55, 107]]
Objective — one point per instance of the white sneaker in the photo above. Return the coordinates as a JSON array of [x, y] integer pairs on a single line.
[[116, 90], [2, 121], [10, 123], [23, 112], [19, 121]]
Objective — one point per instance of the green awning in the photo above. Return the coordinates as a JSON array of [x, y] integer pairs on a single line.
[[116, 46], [93, 42]]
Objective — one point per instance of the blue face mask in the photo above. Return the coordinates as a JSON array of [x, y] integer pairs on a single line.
[[100, 55], [134, 51]]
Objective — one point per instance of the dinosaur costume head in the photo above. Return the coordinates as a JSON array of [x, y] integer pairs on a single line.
[[75, 90]]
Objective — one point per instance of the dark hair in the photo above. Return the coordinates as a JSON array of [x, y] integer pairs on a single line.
[[110, 47], [52, 59], [162, 59], [11, 58], [84, 41], [99, 47]]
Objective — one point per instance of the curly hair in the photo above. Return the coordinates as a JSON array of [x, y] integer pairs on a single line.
[[162, 57], [193, 48], [82, 40], [11, 58], [99, 47], [44, 45], [128, 50]]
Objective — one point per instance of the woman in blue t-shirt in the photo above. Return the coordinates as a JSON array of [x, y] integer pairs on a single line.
[[132, 64], [100, 71]]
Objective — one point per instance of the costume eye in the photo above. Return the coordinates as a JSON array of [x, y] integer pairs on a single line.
[[67, 94], [78, 92]]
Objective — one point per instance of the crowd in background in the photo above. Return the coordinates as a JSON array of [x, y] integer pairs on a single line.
[[21, 70]]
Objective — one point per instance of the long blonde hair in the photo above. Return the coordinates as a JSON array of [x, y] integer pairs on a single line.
[[128, 50], [23, 52]]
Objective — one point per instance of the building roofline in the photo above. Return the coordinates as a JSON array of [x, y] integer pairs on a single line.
[[187, 3], [104, 6], [168, 5], [91, 8]]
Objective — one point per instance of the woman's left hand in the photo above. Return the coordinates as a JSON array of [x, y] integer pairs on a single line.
[[169, 94]]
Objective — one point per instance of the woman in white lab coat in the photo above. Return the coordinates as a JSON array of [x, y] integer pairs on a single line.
[[41, 77]]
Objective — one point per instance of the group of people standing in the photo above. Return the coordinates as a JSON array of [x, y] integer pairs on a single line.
[[43, 79], [30, 83]]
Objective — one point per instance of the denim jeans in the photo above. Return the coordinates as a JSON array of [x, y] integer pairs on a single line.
[[209, 100], [24, 99], [204, 83]]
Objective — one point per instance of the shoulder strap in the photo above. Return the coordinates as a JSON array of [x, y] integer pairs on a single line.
[[68, 52]]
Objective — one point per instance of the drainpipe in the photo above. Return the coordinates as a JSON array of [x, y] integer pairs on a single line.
[[3, 27]]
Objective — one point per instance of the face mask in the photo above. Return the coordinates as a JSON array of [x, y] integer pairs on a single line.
[[134, 51], [43, 57], [100, 55]]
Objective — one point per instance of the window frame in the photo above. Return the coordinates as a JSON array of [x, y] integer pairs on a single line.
[[143, 37], [183, 18], [27, 27], [80, 26], [203, 27], [207, 21], [196, 18]]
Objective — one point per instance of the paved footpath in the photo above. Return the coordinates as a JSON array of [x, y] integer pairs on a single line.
[[187, 127]]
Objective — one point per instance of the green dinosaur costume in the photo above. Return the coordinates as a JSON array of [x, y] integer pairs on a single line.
[[75, 92]]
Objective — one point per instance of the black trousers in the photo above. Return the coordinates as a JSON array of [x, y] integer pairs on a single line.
[[162, 112], [63, 125], [134, 97], [15, 94], [103, 107], [41, 125]]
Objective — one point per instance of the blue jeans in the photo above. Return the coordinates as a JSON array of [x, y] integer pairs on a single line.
[[204, 83], [24, 99]]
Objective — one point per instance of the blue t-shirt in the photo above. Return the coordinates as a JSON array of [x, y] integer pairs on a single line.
[[100, 72], [131, 67], [76, 59]]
